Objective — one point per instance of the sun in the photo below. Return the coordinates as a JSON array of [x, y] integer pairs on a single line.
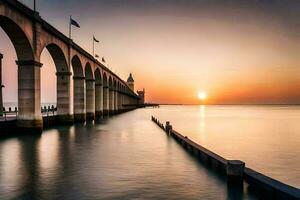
[[202, 96]]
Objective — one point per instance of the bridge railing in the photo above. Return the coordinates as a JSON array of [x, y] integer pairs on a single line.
[[48, 111], [12, 113]]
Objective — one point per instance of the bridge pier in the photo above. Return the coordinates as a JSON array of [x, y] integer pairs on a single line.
[[99, 100], [119, 102], [111, 101], [29, 96], [64, 115], [79, 99], [105, 101], [90, 99], [116, 110], [124, 102], [1, 96]]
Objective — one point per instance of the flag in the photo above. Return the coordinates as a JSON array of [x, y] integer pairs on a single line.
[[96, 55], [74, 23], [95, 39], [103, 60]]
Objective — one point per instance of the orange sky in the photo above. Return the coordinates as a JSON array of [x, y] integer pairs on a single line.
[[236, 52]]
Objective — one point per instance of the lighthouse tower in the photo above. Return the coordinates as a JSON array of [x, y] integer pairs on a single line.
[[130, 82]]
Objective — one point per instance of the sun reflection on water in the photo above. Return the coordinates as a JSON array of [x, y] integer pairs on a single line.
[[202, 116]]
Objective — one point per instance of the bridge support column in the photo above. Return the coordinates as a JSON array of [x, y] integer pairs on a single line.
[[64, 115], [1, 96], [122, 102], [90, 99], [29, 96], [116, 99], [125, 102], [79, 99], [99, 100], [119, 102], [129, 102], [105, 101], [111, 101]]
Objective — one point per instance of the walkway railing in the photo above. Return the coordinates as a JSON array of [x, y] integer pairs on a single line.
[[48, 111], [12, 114]]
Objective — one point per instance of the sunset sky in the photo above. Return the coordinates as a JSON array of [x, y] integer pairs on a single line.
[[245, 51]]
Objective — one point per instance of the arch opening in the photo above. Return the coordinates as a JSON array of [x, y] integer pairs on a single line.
[[56, 82], [78, 90], [18, 38]]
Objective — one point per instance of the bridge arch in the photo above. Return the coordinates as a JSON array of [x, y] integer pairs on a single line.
[[90, 92], [63, 81], [98, 76], [79, 90], [18, 38], [29, 101], [58, 57]]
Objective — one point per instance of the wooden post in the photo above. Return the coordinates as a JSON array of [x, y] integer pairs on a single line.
[[168, 127], [1, 86], [235, 169], [235, 182]]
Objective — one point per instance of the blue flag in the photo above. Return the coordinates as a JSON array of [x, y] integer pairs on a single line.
[[74, 23]]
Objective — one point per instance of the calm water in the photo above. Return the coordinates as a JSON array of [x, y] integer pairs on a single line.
[[267, 138], [129, 157]]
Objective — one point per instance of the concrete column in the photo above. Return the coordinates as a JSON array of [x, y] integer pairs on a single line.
[[90, 99], [111, 101], [1, 95], [122, 102], [130, 102], [116, 99], [119, 102], [29, 96], [79, 99], [125, 102], [63, 80], [105, 101], [99, 100]]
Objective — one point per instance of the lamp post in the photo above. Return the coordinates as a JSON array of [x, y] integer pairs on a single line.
[[1, 86]]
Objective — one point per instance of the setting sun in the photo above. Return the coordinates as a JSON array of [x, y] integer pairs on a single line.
[[202, 96]]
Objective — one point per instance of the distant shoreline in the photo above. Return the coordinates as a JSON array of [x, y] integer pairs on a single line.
[[229, 104], [178, 104]]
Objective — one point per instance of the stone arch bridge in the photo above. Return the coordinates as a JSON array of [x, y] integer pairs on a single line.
[[85, 87]]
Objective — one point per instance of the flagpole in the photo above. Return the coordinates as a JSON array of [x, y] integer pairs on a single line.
[[34, 6], [93, 46], [70, 44], [70, 28]]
